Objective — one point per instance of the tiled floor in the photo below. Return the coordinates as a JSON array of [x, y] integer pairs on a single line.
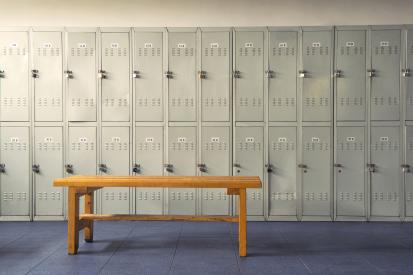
[[210, 248]]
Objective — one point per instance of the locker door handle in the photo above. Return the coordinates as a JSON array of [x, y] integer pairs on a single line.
[[337, 73], [102, 74], [339, 166], [371, 167], [302, 74], [103, 168], [68, 74], [237, 165], [237, 74], [405, 168], [168, 74], [270, 167], [136, 74], [202, 167], [406, 72], [36, 168], [35, 73], [169, 168], [2, 74], [2, 168], [303, 166], [136, 168], [69, 168], [202, 74], [269, 74], [371, 73]]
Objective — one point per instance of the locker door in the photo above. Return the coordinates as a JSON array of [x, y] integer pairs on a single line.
[[81, 76], [215, 158], [316, 174], [14, 76], [215, 76], [316, 75], [182, 82], [15, 180], [149, 162], [48, 155], [115, 76], [282, 171], [409, 78], [408, 176], [350, 171], [249, 76], [351, 75], [115, 158], [282, 76], [182, 157], [385, 85], [48, 75], [148, 68], [249, 162], [82, 150], [385, 180]]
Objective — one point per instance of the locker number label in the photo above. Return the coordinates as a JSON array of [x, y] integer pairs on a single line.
[[114, 45], [181, 139], [83, 139], [81, 45], [384, 43], [351, 139], [350, 44], [115, 139], [315, 139], [249, 139], [48, 139], [13, 45], [47, 45], [249, 45], [384, 138], [316, 44], [181, 45], [147, 45], [14, 139], [215, 139], [214, 45], [282, 45], [282, 139], [149, 139]]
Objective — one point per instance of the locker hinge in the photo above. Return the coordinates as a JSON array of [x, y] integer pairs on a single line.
[[371, 73], [406, 72], [168, 74], [35, 73], [136, 74], [202, 167], [36, 168], [169, 168], [136, 168], [2, 168]]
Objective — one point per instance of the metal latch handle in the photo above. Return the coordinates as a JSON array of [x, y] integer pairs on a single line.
[[136, 168], [36, 168], [169, 168], [103, 168], [69, 168], [102, 74], [202, 167], [35, 73]]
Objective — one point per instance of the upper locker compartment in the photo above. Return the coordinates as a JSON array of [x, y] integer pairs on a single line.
[[182, 75], [249, 75], [81, 76], [115, 76], [350, 74], [47, 75], [407, 73], [215, 75], [316, 75], [385, 75], [282, 75], [147, 74], [14, 78]]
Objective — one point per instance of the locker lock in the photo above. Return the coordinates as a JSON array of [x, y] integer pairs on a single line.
[[103, 168], [337, 73], [405, 168], [136, 74], [102, 74], [202, 74], [168, 74], [1, 73], [371, 167], [406, 72], [136, 168], [36, 168], [202, 167], [270, 167], [68, 74], [35, 73], [2, 168], [371, 73], [269, 73], [169, 168], [303, 166], [69, 168], [238, 166], [339, 166], [237, 74], [302, 74]]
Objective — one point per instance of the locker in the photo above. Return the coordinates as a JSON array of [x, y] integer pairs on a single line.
[[350, 171], [182, 158], [182, 76], [115, 76], [148, 76], [81, 76], [316, 170], [48, 165], [149, 162], [316, 76], [249, 76], [385, 175], [282, 171], [385, 83], [82, 150], [14, 76], [115, 162], [47, 75], [408, 76], [282, 76], [215, 161], [350, 73], [248, 161], [215, 76], [15, 173], [408, 173]]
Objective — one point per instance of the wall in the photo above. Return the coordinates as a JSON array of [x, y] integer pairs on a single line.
[[204, 12]]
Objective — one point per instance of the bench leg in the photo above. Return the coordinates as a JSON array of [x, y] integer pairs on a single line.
[[242, 223], [73, 222], [88, 230]]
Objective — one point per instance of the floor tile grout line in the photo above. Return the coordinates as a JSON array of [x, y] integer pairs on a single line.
[[176, 248], [234, 249], [45, 258]]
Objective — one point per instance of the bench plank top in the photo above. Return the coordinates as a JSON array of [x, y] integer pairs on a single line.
[[161, 181]]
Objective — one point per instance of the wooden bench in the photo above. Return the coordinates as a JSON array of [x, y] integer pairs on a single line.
[[86, 185]]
